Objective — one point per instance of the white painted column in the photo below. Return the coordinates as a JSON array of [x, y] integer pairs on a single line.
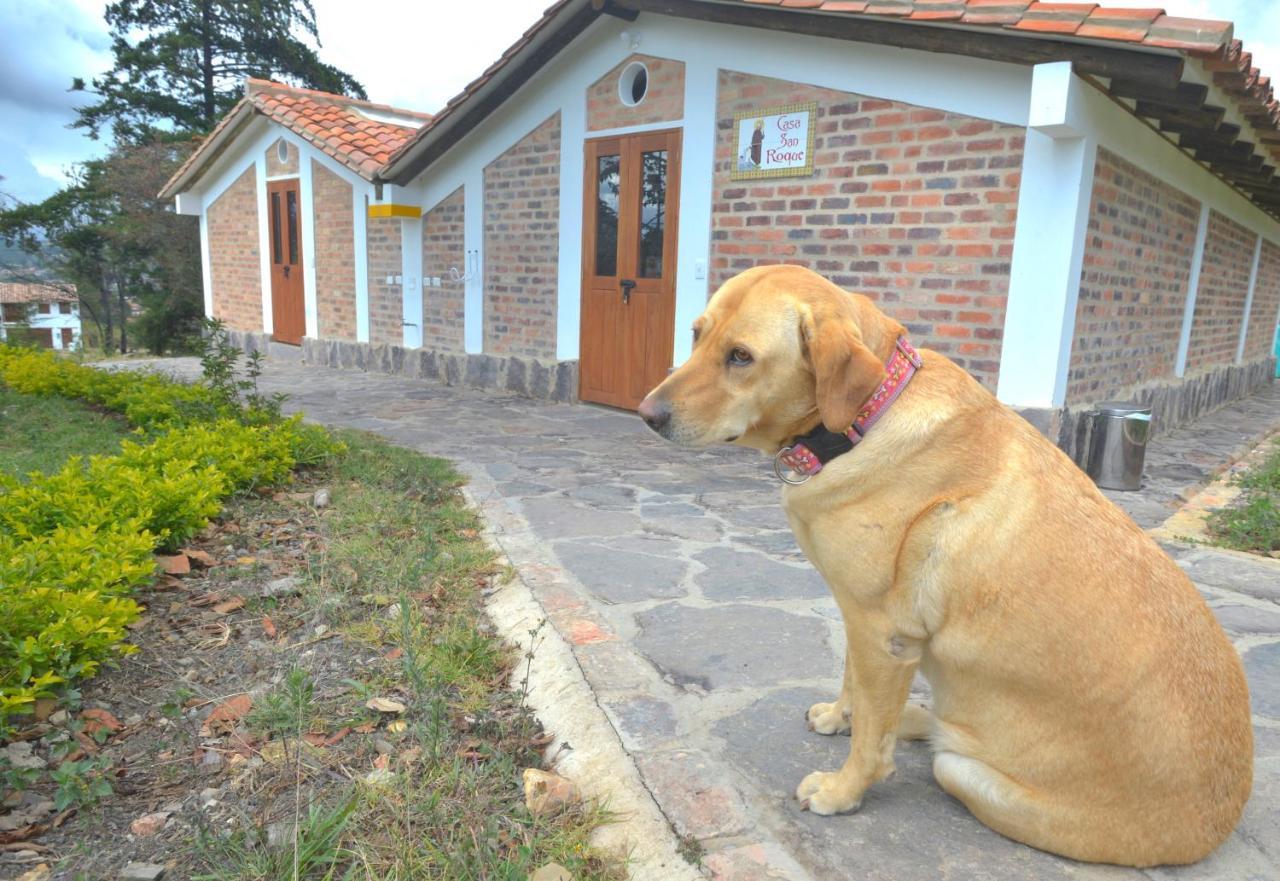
[[264, 238], [1048, 246], [697, 180], [1193, 288], [573, 131], [360, 223], [307, 210], [1248, 300], [411, 273], [473, 242], [206, 264]]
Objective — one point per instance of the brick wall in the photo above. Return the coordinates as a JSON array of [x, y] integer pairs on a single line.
[[911, 206], [335, 254], [663, 102], [1260, 340], [235, 268], [1224, 286], [521, 245], [443, 247], [386, 307], [1133, 284], [276, 168]]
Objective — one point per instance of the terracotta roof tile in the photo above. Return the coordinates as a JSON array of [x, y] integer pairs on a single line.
[[1188, 34], [31, 292]]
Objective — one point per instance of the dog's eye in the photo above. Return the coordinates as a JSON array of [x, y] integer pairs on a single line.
[[697, 332], [740, 357]]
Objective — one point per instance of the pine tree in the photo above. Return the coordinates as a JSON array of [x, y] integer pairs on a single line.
[[186, 68]]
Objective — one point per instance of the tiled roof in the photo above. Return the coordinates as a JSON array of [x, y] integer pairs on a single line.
[[23, 292], [336, 125], [1149, 27], [1208, 40], [359, 134]]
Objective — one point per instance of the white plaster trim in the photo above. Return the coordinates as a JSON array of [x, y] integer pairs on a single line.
[[1193, 289], [360, 198], [411, 273], [697, 183], [307, 216], [473, 267], [264, 238], [573, 134], [642, 128], [1044, 280], [206, 265], [1248, 301], [230, 166], [293, 176]]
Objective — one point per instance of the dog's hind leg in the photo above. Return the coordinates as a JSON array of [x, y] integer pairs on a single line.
[[916, 723]]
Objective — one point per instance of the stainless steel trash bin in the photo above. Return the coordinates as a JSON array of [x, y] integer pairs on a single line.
[[1118, 445]]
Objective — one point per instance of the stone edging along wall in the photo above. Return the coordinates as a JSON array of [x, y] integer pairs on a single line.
[[528, 377], [1174, 403]]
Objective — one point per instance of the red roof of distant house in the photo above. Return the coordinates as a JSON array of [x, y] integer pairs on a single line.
[[359, 134], [23, 292]]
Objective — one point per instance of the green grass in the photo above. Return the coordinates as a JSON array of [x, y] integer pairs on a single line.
[[402, 566], [1253, 522], [39, 433]]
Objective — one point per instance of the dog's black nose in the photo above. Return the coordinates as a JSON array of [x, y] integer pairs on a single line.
[[656, 413]]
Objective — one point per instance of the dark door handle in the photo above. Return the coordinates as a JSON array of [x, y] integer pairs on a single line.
[[286, 270], [626, 284]]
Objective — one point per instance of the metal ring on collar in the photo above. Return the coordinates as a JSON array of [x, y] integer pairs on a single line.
[[786, 477]]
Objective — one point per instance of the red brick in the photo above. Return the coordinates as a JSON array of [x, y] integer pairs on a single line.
[[521, 245], [335, 254], [234, 261], [444, 257]]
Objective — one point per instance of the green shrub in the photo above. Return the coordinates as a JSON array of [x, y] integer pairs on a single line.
[[75, 544]]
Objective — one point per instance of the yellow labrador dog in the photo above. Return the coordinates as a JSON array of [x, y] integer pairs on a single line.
[[1085, 700]]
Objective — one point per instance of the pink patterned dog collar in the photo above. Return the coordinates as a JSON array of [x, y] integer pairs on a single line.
[[803, 459]]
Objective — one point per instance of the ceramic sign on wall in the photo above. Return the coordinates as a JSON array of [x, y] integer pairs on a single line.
[[774, 142]]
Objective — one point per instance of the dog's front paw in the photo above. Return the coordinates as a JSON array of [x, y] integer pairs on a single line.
[[828, 719], [823, 792]]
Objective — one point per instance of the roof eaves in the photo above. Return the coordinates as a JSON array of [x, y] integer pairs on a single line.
[[210, 149]]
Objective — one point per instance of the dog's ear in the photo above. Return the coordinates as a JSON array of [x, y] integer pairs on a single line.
[[845, 371]]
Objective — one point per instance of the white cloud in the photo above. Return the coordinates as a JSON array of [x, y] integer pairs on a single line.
[[43, 44], [416, 54]]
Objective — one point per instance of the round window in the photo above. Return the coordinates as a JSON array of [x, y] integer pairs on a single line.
[[282, 151], [633, 85]]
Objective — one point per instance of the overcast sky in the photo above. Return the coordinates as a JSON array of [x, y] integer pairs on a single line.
[[411, 53]]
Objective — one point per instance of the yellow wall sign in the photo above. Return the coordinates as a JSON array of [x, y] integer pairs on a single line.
[[774, 142]]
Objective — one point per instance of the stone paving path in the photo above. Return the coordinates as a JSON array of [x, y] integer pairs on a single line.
[[705, 634]]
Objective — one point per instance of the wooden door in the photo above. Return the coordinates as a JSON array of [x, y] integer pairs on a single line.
[[67, 337], [288, 316], [630, 219]]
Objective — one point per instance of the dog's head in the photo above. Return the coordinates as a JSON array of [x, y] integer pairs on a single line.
[[777, 349]]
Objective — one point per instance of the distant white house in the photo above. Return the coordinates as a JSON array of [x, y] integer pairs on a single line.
[[46, 314]]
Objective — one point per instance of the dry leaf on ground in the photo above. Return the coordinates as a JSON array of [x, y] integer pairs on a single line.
[[226, 714], [178, 564], [385, 705]]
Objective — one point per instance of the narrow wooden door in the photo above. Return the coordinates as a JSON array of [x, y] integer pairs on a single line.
[[629, 261], [288, 316]]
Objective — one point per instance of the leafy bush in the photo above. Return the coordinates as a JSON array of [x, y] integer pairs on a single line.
[[75, 544]]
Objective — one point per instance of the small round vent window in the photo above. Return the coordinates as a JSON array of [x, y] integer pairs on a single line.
[[633, 85], [282, 151]]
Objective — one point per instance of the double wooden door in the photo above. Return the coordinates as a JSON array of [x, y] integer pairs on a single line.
[[288, 315], [629, 266]]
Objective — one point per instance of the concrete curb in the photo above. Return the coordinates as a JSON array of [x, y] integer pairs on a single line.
[[590, 753]]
